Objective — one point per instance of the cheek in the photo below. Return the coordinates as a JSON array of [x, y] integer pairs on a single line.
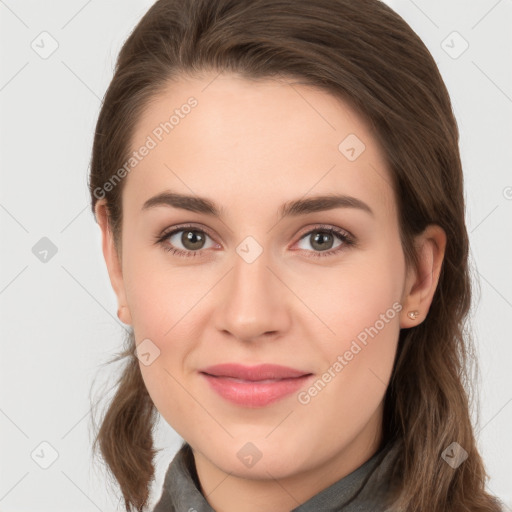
[[170, 398], [163, 302], [360, 295], [360, 305], [362, 311], [160, 294]]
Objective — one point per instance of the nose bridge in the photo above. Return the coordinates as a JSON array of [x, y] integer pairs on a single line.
[[253, 301]]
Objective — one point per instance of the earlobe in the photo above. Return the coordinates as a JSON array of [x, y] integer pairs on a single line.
[[413, 314], [112, 261], [123, 313], [422, 284]]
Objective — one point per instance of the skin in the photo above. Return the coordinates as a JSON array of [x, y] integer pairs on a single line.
[[251, 146]]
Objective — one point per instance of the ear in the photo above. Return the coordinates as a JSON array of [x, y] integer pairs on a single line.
[[421, 282], [113, 261]]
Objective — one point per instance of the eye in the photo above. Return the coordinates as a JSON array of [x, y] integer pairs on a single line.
[[322, 239], [191, 239]]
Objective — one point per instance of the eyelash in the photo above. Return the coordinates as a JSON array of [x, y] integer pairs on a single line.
[[347, 239]]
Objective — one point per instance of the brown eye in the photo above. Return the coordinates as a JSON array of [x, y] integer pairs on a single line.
[[323, 241], [192, 239], [185, 241]]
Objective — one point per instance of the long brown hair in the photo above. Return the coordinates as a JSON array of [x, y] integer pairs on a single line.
[[367, 55]]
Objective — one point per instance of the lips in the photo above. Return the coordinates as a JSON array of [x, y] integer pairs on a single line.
[[254, 386], [253, 373]]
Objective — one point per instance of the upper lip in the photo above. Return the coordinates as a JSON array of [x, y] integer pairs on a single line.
[[253, 373]]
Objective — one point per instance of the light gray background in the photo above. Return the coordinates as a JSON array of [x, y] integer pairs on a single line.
[[58, 319]]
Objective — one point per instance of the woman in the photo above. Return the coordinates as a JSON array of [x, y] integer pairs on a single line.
[[280, 194]]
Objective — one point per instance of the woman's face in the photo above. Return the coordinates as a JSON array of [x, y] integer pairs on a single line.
[[252, 286]]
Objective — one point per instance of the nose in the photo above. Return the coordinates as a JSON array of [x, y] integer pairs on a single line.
[[254, 302]]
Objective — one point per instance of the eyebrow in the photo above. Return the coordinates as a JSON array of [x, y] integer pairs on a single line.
[[288, 209]]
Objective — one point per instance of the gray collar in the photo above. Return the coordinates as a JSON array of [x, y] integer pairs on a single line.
[[362, 490]]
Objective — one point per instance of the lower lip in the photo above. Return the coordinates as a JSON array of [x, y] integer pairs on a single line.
[[254, 393]]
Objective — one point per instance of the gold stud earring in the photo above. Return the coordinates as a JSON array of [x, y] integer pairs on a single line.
[[413, 314]]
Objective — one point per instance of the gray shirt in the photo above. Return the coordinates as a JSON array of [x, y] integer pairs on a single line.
[[362, 490]]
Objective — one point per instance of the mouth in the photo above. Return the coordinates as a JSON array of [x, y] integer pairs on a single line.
[[258, 372], [254, 386]]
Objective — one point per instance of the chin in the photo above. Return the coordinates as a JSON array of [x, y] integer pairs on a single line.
[[259, 459]]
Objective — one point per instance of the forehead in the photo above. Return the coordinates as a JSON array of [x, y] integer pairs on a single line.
[[239, 141]]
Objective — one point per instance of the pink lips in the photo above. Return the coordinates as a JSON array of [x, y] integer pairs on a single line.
[[254, 386]]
